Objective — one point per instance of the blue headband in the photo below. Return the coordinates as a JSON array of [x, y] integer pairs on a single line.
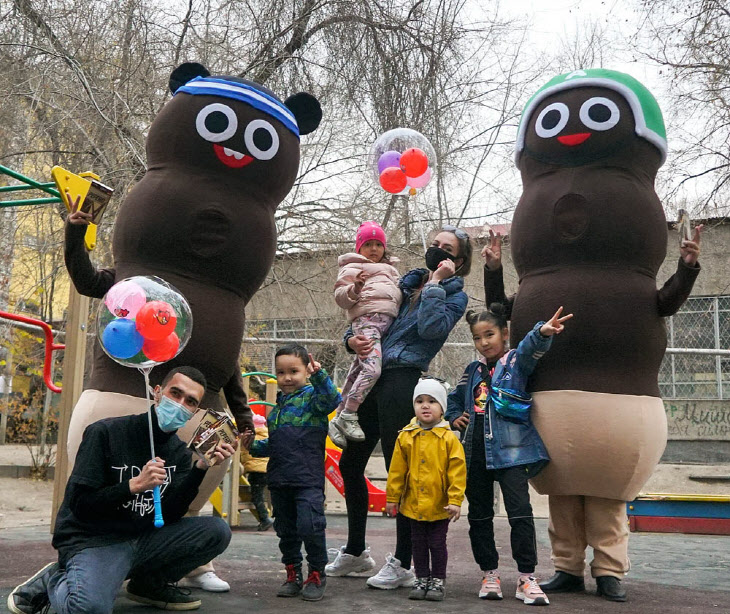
[[213, 86]]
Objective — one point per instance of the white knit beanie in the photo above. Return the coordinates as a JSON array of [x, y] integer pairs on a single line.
[[432, 388]]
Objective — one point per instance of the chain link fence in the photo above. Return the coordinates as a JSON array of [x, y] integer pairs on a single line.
[[703, 323], [697, 364]]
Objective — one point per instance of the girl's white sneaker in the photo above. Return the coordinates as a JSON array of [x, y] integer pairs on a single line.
[[529, 591]]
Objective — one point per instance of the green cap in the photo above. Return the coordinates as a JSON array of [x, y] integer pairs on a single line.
[[647, 114]]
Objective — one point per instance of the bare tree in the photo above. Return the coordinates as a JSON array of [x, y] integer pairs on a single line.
[[691, 40]]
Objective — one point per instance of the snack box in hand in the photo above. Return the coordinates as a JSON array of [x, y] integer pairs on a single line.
[[215, 427], [96, 200]]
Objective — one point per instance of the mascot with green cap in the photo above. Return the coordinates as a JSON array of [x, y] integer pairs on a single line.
[[589, 233]]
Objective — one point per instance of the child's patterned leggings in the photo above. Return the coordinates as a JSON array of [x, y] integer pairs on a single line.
[[365, 372]]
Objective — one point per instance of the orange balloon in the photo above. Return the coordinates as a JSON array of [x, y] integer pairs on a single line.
[[414, 162], [163, 349], [393, 180], [156, 320]]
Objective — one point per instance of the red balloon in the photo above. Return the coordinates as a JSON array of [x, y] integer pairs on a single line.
[[393, 180], [156, 320], [162, 350], [414, 162]]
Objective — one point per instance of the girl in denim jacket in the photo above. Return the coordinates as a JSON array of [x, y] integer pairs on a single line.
[[501, 449]]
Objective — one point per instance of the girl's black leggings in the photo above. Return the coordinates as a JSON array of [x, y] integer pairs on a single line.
[[383, 413]]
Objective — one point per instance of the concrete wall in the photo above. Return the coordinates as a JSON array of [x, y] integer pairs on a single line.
[[302, 287]]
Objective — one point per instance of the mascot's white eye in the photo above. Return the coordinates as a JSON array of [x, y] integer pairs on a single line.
[[599, 113], [216, 122], [552, 120], [261, 138]]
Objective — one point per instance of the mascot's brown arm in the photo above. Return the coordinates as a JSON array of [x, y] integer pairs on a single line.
[[238, 401], [494, 290], [88, 280], [677, 288]]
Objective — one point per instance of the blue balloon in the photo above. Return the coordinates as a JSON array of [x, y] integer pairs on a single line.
[[121, 339]]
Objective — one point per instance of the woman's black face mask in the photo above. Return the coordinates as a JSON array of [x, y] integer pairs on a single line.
[[435, 255]]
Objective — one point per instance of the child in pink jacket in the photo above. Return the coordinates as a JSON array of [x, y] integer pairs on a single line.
[[367, 288]]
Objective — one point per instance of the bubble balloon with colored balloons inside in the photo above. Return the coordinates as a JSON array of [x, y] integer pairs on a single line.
[[143, 321], [402, 161]]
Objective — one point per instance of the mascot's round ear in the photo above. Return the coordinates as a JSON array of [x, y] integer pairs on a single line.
[[306, 110], [185, 72]]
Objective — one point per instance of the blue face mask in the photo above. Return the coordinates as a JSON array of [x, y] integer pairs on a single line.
[[171, 415]]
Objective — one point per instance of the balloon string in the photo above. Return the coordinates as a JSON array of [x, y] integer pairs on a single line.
[[146, 372], [420, 220]]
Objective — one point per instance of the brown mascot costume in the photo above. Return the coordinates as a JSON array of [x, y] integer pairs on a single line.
[[589, 233], [221, 154]]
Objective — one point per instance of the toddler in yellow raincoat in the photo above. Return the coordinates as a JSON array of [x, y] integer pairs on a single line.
[[426, 483]]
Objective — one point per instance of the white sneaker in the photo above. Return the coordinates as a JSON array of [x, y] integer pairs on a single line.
[[350, 427], [345, 564], [392, 575], [336, 435], [207, 581]]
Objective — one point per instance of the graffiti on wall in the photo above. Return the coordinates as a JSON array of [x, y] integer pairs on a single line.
[[698, 419]]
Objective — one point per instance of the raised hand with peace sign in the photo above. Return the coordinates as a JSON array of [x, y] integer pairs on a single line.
[[554, 326]]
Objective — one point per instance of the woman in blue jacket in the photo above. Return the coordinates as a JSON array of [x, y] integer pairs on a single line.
[[433, 302]]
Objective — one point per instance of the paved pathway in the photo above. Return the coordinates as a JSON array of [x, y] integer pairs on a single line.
[[671, 574]]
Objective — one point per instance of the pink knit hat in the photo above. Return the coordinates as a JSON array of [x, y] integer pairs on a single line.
[[369, 231]]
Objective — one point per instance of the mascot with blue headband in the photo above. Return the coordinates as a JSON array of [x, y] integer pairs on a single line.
[[221, 155]]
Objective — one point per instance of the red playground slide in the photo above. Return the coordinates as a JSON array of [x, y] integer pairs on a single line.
[[376, 496]]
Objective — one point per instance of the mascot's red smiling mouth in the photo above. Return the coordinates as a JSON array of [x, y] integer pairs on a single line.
[[574, 139], [231, 157]]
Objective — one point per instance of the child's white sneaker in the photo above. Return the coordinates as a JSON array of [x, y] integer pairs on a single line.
[[529, 591], [347, 422], [349, 563], [392, 575], [336, 435]]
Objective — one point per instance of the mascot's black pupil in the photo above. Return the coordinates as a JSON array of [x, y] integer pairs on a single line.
[[551, 119], [599, 113], [262, 139], [216, 122]]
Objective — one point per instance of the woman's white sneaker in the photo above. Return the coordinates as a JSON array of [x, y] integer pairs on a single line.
[[392, 575], [349, 563]]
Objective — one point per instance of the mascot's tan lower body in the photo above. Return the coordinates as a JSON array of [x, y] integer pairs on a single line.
[[603, 448], [95, 405]]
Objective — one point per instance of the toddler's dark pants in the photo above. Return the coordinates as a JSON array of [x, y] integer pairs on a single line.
[[257, 481], [480, 494], [299, 518], [429, 538]]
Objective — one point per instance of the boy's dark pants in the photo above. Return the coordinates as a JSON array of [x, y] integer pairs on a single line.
[[257, 482], [299, 518], [480, 494]]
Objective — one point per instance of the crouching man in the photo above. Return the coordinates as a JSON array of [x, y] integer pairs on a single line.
[[104, 530]]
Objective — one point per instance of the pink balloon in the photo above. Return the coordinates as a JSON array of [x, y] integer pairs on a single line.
[[421, 181], [125, 299]]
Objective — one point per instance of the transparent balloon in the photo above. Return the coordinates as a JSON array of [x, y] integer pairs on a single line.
[[151, 332], [386, 154]]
